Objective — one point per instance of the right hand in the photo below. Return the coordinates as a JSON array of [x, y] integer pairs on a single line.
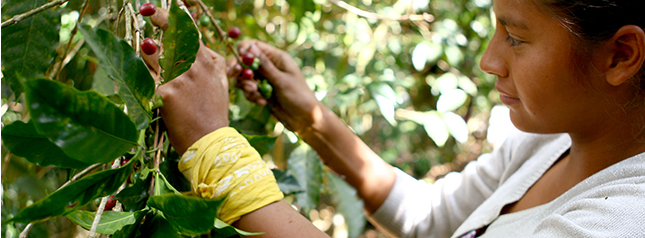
[[293, 103]]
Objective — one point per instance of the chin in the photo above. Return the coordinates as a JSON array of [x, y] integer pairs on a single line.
[[528, 125]]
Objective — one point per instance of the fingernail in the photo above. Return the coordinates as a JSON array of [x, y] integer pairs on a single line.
[[262, 102]]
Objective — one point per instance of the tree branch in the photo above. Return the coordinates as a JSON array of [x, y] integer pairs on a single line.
[[409, 17], [99, 210], [24, 232], [222, 35], [17, 18], [71, 39]]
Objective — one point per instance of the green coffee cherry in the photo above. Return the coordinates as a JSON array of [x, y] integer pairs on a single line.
[[265, 89]]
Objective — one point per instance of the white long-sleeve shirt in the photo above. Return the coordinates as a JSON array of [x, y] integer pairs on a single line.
[[610, 203]]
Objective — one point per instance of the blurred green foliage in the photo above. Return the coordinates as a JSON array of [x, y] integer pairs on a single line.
[[412, 90]]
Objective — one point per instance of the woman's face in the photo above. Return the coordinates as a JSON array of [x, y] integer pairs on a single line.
[[531, 55]]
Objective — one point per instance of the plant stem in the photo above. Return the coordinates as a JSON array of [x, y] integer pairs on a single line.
[[222, 35], [128, 24], [7, 157], [409, 17], [24, 232], [156, 158], [71, 38], [138, 29], [79, 174], [17, 18], [99, 210]]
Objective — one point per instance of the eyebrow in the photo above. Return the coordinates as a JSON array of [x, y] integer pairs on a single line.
[[512, 23]]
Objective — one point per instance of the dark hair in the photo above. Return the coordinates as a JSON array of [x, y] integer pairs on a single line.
[[594, 21]]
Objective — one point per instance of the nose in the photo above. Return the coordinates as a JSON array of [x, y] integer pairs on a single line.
[[492, 61]]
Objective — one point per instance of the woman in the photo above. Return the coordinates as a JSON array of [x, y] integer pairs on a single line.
[[571, 72]]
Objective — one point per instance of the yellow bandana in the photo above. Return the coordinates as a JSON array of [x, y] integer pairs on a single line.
[[222, 165]]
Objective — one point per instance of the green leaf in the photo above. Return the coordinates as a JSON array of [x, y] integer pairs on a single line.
[[85, 125], [75, 195], [286, 182], [28, 47], [436, 128], [262, 144], [110, 223], [451, 100], [162, 186], [180, 42], [187, 215], [156, 226], [136, 86], [385, 98], [22, 139], [300, 7], [225, 230], [132, 230], [456, 126], [347, 203], [305, 166], [169, 168], [425, 52], [445, 83], [135, 197]]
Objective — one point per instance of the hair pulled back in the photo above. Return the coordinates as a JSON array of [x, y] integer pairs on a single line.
[[592, 22]]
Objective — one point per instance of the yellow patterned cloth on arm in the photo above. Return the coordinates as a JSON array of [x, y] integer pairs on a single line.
[[223, 166]]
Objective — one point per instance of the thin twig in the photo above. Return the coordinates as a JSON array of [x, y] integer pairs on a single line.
[[222, 35], [99, 211], [71, 38], [409, 17], [156, 159], [118, 18], [79, 174], [24, 232], [128, 24], [137, 30], [17, 18], [7, 157]]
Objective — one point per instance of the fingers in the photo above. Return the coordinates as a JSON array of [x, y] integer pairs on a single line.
[[160, 18], [267, 65], [233, 69], [251, 91], [152, 61], [280, 58]]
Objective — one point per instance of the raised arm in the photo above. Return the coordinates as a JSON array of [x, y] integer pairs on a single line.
[[195, 112], [295, 105]]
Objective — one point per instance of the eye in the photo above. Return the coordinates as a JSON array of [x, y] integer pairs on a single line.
[[514, 42]]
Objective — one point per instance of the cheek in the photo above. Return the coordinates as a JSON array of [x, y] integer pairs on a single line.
[[546, 84]]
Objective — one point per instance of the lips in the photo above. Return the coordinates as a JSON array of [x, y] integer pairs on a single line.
[[505, 98]]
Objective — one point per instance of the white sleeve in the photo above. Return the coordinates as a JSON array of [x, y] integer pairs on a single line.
[[417, 209]]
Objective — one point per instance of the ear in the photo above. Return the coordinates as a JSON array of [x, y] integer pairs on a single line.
[[627, 51]]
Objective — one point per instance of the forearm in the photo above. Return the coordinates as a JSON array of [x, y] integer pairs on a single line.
[[278, 219], [349, 156]]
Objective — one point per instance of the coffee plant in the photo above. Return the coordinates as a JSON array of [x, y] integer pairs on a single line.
[[83, 144]]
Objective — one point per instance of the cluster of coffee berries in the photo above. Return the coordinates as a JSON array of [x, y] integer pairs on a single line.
[[250, 63]]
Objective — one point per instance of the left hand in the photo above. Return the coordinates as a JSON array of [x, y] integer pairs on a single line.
[[196, 102]]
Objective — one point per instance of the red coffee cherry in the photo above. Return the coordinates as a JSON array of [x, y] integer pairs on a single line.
[[234, 32], [110, 203], [247, 73], [148, 46], [147, 9], [248, 59]]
